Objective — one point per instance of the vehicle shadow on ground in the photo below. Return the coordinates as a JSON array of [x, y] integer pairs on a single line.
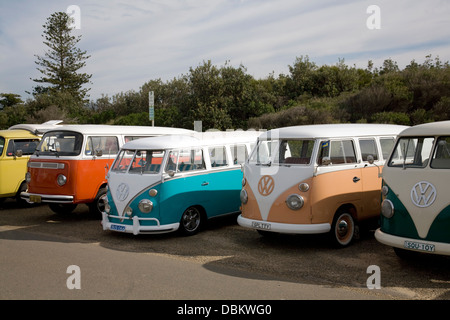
[[225, 247]]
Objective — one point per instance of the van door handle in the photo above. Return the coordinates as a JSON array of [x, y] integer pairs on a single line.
[[356, 179], [205, 183]]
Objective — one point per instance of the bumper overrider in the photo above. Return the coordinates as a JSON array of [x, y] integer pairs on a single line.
[[48, 198], [136, 227]]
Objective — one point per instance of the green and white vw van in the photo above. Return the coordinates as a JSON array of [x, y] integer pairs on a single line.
[[415, 209]]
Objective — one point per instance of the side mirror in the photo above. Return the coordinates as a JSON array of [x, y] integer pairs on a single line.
[[18, 153], [98, 152], [326, 161], [171, 173], [371, 160]]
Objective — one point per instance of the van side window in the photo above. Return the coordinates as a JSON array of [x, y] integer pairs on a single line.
[[338, 151], [368, 147], [386, 146], [28, 146], [108, 145], [218, 156], [185, 160], [239, 153], [441, 157]]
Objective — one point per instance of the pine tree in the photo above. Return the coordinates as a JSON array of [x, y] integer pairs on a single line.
[[62, 60]]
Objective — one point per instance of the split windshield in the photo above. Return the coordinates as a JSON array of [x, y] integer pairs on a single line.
[[138, 161], [418, 152], [60, 143]]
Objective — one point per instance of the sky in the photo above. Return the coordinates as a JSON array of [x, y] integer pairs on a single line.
[[133, 42]]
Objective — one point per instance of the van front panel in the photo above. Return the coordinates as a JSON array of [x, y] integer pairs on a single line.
[[44, 177], [421, 204]]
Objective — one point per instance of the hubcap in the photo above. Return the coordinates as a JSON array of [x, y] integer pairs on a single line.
[[191, 219], [342, 228]]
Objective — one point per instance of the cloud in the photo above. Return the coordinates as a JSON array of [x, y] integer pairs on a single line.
[[132, 42]]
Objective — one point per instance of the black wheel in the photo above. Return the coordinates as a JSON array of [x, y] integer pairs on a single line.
[[343, 229], [190, 221], [98, 206], [21, 202], [62, 208]]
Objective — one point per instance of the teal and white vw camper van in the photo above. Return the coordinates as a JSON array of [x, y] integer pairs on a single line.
[[175, 182], [415, 210]]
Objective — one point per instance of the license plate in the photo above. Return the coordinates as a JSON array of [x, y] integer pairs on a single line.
[[35, 199], [116, 227], [419, 246], [261, 225]]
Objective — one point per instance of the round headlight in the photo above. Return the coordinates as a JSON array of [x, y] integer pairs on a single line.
[[128, 211], [244, 196], [28, 177], [145, 206], [303, 187], [387, 208], [244, 182], [385, 190], [61, 180], [295, 202]]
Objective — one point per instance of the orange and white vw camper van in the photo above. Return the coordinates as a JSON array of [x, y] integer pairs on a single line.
[[71, 162], [316, 179]]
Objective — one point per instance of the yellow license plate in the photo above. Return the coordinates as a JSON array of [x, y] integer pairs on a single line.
[[35, 199]]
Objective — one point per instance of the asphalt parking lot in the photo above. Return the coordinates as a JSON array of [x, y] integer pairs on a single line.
[[223, 243]]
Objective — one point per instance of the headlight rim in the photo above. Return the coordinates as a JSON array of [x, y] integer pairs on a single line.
[[390, 207], [64, 179], [299, 199], [142, 206], [243, 196]]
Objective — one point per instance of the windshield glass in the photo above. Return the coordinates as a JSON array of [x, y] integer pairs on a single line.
[[138, 161], [60, 143], [441, 157], [412, 152], [283, 152]]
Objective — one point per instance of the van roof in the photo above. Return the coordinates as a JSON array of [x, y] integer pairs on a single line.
[[37, 129], [99, 129], [14, 134], [333, 130], [428, 129], [196, 139]]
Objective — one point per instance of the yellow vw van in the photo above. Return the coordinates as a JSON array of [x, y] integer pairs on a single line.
[[16, 146]]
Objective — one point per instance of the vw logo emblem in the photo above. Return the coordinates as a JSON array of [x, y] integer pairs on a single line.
[[122, 191], [423, 194], [266, 185]]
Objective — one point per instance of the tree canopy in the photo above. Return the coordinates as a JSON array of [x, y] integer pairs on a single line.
[[63, 59]]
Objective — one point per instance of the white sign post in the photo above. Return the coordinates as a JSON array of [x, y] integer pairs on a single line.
[[151, 107]]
